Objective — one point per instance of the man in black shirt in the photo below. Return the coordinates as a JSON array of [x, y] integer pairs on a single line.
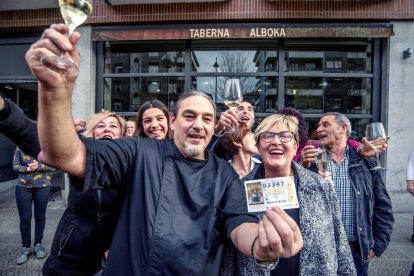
[[179, 202]]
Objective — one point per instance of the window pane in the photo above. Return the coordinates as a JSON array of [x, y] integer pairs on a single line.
[[329, 56], [319, 95], [304, 61], [128, 94], [320, 75], [260, 92], [234, 61], [144, 62]]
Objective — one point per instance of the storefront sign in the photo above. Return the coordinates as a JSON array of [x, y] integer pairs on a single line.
[[254, 32], [225, 33]]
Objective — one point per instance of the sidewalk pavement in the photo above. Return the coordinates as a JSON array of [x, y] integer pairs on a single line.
[[396, 260]]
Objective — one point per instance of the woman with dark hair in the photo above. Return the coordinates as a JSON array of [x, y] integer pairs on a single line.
[[32, 188], [153, 120], [240, 146]]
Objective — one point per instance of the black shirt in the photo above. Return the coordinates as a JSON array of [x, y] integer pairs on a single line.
[[175, 212]]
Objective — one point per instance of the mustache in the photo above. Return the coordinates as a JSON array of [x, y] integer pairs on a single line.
[[196, 133]]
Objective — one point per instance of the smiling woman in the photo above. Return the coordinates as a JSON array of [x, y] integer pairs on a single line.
[[153, 121], [318, 214], [105, 124]]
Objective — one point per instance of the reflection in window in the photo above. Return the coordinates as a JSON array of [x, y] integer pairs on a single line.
[[128, 94], [319, 75], [145, 62], [329, 56], [214, 87], [235, 61], [319, 95]]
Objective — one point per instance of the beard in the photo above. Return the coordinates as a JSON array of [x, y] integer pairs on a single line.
[[193, 151]]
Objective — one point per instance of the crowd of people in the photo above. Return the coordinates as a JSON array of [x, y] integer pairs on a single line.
[[165, 194]]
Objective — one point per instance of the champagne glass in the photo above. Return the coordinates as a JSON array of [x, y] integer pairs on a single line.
[[321, 159], [376, 137], [74, 13], [233, 96]]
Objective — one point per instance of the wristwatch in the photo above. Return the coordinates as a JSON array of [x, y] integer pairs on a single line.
[[268, 265]]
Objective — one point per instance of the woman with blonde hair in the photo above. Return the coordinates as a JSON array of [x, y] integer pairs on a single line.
[[326, 250], [84, 234], [85, 231], [105, 124]]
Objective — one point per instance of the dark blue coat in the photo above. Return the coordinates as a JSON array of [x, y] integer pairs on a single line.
[[374, 216]]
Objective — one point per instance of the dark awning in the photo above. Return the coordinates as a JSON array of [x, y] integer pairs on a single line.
[[251, 31]]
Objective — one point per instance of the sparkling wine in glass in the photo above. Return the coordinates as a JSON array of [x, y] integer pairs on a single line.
[[233, 96], [376, 137], [321, 159], [74, 13]]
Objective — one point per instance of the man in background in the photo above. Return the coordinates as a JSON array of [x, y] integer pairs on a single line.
[[364, 201], [230, 118]]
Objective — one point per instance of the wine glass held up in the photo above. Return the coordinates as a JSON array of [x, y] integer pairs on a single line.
[[233, 96], [321, 159], [319, 154], [375, 134], [74, 13]]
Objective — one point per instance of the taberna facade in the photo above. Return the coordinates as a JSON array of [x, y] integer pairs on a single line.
[[284, 53]]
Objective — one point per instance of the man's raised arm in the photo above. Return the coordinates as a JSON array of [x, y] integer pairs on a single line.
[[60, 145]]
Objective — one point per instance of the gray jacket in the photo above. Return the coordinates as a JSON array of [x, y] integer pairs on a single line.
[[326, 250]]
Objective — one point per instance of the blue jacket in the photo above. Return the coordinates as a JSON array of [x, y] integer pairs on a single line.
[[374, 217]]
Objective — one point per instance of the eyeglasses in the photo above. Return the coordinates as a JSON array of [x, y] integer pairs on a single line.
[[284, 136]]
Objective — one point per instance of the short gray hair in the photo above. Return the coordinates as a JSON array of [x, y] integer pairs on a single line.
[[340, 119], [192, 93]]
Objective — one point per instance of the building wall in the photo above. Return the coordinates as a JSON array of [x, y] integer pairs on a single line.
[[83, 100], [226, 11], [400, 101], [400, 116], [401, 80]]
